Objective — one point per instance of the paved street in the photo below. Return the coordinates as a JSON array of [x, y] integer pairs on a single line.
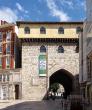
[[34, 105]]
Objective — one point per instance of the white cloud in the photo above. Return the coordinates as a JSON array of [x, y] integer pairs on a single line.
[[83, 4], [12, 15], [80, 3], [8, 14], [56, 12], [68, 3], [20, 8], [73, 4]]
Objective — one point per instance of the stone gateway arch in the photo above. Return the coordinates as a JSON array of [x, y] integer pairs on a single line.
[[64, 78]]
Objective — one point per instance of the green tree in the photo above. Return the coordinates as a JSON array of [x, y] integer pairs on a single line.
[[54, 87]]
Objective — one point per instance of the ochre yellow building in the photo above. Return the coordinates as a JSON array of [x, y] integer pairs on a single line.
[[51, 29]]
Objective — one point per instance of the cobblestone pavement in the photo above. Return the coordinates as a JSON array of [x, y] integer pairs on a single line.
[[33, 105]]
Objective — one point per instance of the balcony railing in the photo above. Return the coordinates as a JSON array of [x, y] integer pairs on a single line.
[[10, 76]]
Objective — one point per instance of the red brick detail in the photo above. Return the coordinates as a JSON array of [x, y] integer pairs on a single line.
[[12, 43], [3, 62], [11, 62], [12, 36], [4, 49], [12, 48], [4, 37]]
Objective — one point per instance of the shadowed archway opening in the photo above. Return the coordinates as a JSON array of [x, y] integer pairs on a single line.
[[64, 78]]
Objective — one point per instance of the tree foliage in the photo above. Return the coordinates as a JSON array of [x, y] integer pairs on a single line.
[[54, 87]]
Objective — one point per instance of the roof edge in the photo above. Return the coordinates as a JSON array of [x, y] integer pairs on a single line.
[[49, 22]]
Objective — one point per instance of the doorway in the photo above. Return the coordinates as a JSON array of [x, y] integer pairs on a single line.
[[16, 91]]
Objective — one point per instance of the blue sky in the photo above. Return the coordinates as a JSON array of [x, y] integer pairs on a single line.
[[42, 10]]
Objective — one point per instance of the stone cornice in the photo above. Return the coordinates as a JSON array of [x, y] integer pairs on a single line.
[[51, 40]]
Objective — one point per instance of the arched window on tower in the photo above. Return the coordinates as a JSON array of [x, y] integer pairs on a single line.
[[60, 30], [77, 49], [78, 30], [60, 49], [42, 30], [43, 49], [27, 30]]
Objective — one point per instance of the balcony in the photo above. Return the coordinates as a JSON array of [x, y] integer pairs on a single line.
[[15, 75], [10, 76]]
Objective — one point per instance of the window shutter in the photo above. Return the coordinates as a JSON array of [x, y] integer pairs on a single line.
[[4, 49]]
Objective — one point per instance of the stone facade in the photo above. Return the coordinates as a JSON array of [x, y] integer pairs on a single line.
[[10, 74], [86, 55], [35, 87], [10, 78]]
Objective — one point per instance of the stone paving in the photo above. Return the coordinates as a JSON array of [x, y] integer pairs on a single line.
[[32, 105]]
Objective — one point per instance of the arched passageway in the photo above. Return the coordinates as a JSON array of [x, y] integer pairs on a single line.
[[64, 78]]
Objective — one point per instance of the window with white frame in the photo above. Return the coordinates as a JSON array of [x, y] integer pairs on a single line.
[[0, 37], [0, 62], [4, 78], [8, 36], [4, 92], [8, 49], [0, 48]]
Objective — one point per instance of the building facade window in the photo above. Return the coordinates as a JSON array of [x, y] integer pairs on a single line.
[[8, 49], [0, 78], [4, 92], [89, 66], [77, 49], [42, 30], [43, 49], [0, 62], [8, 36], [60, 49], [4, 78], [78, 30], [60, 30], [0, 37], [0, 48], [27, 30], [8, 62]]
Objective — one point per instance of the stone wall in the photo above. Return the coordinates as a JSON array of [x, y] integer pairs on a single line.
[[35, 87]]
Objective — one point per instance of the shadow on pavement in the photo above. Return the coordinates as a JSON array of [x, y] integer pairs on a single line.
[[34, 105]]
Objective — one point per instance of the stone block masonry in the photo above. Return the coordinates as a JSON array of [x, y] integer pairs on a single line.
[[34, 87]]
